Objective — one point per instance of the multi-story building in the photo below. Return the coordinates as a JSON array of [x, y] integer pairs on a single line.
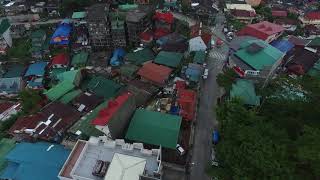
[[137, 21], [118, 29], [99, 27]]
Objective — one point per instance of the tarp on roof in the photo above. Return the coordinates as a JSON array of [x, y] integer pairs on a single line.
[[46, 158], [79, 15], [283, 45], [154, 128], [197, 44], [170, 59], [244, 89], [258, 58], [59, 90], [36, 83], [199, 57], [36, 69], [125, 167], [62, 34], [140, 57]]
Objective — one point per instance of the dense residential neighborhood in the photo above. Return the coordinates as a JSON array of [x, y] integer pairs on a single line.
[[159, 90]]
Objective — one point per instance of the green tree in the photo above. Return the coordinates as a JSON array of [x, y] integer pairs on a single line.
[[226, 79], [30, 100], [265, 12]]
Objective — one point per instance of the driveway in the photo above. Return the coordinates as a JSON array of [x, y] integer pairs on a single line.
[[206, 120]]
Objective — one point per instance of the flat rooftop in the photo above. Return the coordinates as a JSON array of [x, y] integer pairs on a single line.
[[85, 154]]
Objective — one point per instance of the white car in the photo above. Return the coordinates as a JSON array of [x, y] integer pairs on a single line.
[[205, 74], [213, 43], [180, 150]]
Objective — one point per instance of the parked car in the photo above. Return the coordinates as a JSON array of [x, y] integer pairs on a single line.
[[205, 73], [180, 150], [215, 137]]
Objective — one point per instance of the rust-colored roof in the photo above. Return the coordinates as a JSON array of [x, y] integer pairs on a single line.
[[5, 105], [315, 15], [26, 122], [60, 59], [243, 13], [261, 30], [279, 13], [155, 73]]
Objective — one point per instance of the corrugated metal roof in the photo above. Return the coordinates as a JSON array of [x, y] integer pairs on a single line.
[[245, 90], [65, 99], [199, 57], [140, 57], [36, 69], [80, 58], [103, 87], [155, 73], [59, 90], [170, 59], [283, 45], [6, 145], [154, 128]]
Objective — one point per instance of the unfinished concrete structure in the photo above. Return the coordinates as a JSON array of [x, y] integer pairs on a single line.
[[99, 27], [118, 30]]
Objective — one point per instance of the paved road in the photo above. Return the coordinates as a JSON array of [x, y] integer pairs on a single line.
[[51, 21], [206, 120]]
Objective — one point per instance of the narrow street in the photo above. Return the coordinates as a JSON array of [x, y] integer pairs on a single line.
[[206, 120]]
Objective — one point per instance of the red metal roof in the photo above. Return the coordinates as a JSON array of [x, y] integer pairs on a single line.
[[261, 30], [206, 37], [160, 32], [155, 73], [26, 122], [243, 13], [164, 16], [279, 13], [113, 106], [315, 15], [181, 85], [187, 102], [146, 36], [5, 105], [62, 59]]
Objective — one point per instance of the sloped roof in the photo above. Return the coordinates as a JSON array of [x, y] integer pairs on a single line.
[[128, 70], [5, 105], [4, 25], [79, 15], [11, 85], [315, 42], [80, 58], [62, 34], [279, 13], [59, 90], [36, 69], [6, 145], [193, 72], [170, 59], [164, 16], [314, 15], [197, 44], [24, 122], [14, 70], [26, 157], [242, 13], [315, 70], [298, 41], [113, 105], [69, 75], [199, 57], [245, 90], [125, 167], [302, 61], [103, 87], [261, 30], [155, 73], [60, 59], [37, 34], [262, 54], [65, 99], [282, 45], [154, 128], [140, 57]]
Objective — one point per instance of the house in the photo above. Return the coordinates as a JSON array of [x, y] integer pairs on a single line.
[[263, 30], [62, 35], [163, 23], [197, 44], [193, 72], [24, 158], [85, 102], [38, 39], [5, 36], [99, 28], [244, 16], [256, 59], [310, 18], [78, 16], [99, 158], [245, 90], [298, 41], [146, 37], [7, 109], [6, 146], [314, 43], [10, 86], [102, 87], [187, 101], [170, 59], [80, 59], [49, 124], [172, 38], [284, 46], [35, 74], [302, 61], [189, 23], [70, 96], [118, 29], [288, 24], [80, 38], [137, 21], [13, 70], [154, 73], [60, 61], [279, 13], [238, 4], [311, 30], [315, 70], [199, 57], [140, 57], [128, 71], [113, 119], [141, 91], [154, 128]]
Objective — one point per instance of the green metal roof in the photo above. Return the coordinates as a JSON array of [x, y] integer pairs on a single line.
[[4, 25], [65, 99], [59, 90], [6, 145], [73, 76], [128, 70], [245, 90], [171, 59], [79, 15], [14, 70], [102, 87], [38, 34], [140, 57], [258, 59], [127, 7], [154, 128], [315, 42], [80, 58], [199, 57], [56, 71], [84, 126], [315, 70]]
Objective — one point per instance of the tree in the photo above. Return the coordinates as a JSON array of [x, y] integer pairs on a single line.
[[30, 100], [226, 79], [265, 12]]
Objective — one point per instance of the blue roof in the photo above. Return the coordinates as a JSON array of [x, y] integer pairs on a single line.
[[36, 69], [283, 45], [193, 72], [61, 35], [38, 82], [35, 161]]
